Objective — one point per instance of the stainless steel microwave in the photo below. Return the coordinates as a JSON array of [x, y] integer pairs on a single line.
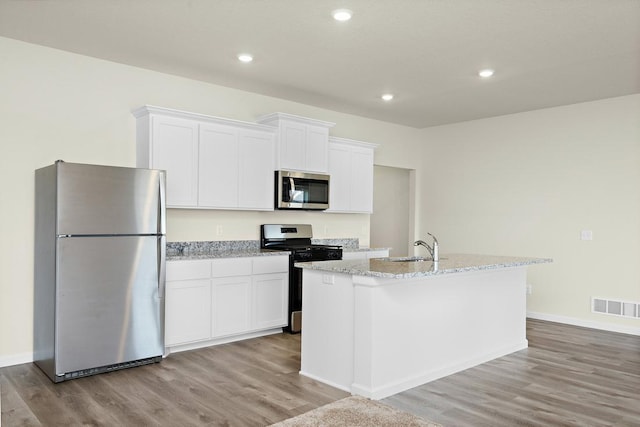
[[301, 190]]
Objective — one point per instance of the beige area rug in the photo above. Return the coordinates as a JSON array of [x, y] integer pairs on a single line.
[[356, 411]]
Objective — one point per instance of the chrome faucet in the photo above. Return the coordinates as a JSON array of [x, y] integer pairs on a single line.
[[433, 250]]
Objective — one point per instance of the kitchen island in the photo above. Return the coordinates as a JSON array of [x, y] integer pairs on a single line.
[[381, 326]]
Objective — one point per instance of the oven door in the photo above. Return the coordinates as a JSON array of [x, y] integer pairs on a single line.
[[299, 190]]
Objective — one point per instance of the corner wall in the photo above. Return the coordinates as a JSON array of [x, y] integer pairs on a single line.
[[527, 184]]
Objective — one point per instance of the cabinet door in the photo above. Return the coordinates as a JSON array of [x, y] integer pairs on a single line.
[[175, 149], [292, 145], [270, 297], [316, 149], [361, 180], [256, 166], [218, 167], [231, 302], [187, 311], [340, 172]]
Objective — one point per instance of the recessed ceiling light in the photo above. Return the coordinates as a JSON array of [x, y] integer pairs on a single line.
[[245, 57], [342, 14], [387, 96], [486, 73]]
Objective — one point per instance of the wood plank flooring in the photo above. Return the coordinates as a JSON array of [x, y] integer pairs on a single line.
[[249, 383], [569, 376]]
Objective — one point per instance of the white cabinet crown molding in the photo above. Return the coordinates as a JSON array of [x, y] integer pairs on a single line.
[[274, 117], [151, 109], [352, 142]]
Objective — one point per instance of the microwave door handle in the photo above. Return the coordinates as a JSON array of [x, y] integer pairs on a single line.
[[292, 190]]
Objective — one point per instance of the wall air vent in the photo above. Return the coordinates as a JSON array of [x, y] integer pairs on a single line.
[[615, 307]]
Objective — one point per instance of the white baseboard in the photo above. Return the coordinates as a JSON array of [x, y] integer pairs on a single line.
[[216, 341], [15, 359], [394, 387], [623, 329]]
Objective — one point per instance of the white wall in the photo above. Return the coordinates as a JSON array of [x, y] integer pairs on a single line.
[[391, 224], [58, 105], [527, 184]]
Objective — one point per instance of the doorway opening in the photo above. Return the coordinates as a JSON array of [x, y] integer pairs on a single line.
[[392, 220]]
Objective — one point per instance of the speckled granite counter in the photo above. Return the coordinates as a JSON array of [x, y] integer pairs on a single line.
[[224, 254], [180, 251], [347, 250], [243, 248], [450, 263]]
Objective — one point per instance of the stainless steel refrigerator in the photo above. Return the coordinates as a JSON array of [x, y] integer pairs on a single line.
[[99, 268]]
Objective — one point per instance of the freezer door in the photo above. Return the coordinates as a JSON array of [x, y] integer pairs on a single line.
[[109, 305], [105, 200]]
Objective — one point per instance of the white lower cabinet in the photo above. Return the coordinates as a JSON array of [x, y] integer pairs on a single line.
[[270, 300], [231, 311], [187, 308], [221, 300]]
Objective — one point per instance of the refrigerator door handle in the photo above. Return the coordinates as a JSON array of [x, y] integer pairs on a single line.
[[161, 204], [161, 265]]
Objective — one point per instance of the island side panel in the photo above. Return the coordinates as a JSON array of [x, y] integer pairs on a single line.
[[327, 328], [410, 332]]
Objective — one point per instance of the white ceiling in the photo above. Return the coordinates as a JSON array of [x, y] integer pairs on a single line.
[[427, 52]]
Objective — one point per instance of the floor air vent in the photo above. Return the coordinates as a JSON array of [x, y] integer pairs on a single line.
[[615, 307]]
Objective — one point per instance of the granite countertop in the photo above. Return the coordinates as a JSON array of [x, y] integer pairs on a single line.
[[182, 251], [364, 249], [224, 254], [449, 263]]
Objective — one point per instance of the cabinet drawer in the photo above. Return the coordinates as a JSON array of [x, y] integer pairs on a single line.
[[231, 267], [271, 264], [187, 270]]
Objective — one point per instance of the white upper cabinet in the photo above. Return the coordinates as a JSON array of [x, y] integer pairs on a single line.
[[175, 149], [256, 170], [211, 162], [302, 143], [351, 170], [217, 166]]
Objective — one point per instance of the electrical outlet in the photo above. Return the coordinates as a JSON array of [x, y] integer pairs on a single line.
[[586, 235], [529, 289], [328, 279], [219, 230]]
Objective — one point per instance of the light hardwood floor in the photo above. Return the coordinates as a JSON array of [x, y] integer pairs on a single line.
[[568, 376], [248, 383]]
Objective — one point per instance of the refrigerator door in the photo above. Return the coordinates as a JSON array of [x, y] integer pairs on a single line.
[[105, 200], [109, 301]]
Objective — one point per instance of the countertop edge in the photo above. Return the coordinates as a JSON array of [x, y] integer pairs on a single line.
[[225, 254], [363, 268]]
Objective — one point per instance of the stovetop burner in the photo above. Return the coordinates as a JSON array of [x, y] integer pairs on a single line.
[[297, 239]]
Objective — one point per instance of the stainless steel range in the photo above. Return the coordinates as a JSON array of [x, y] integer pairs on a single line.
[[296, 238]]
